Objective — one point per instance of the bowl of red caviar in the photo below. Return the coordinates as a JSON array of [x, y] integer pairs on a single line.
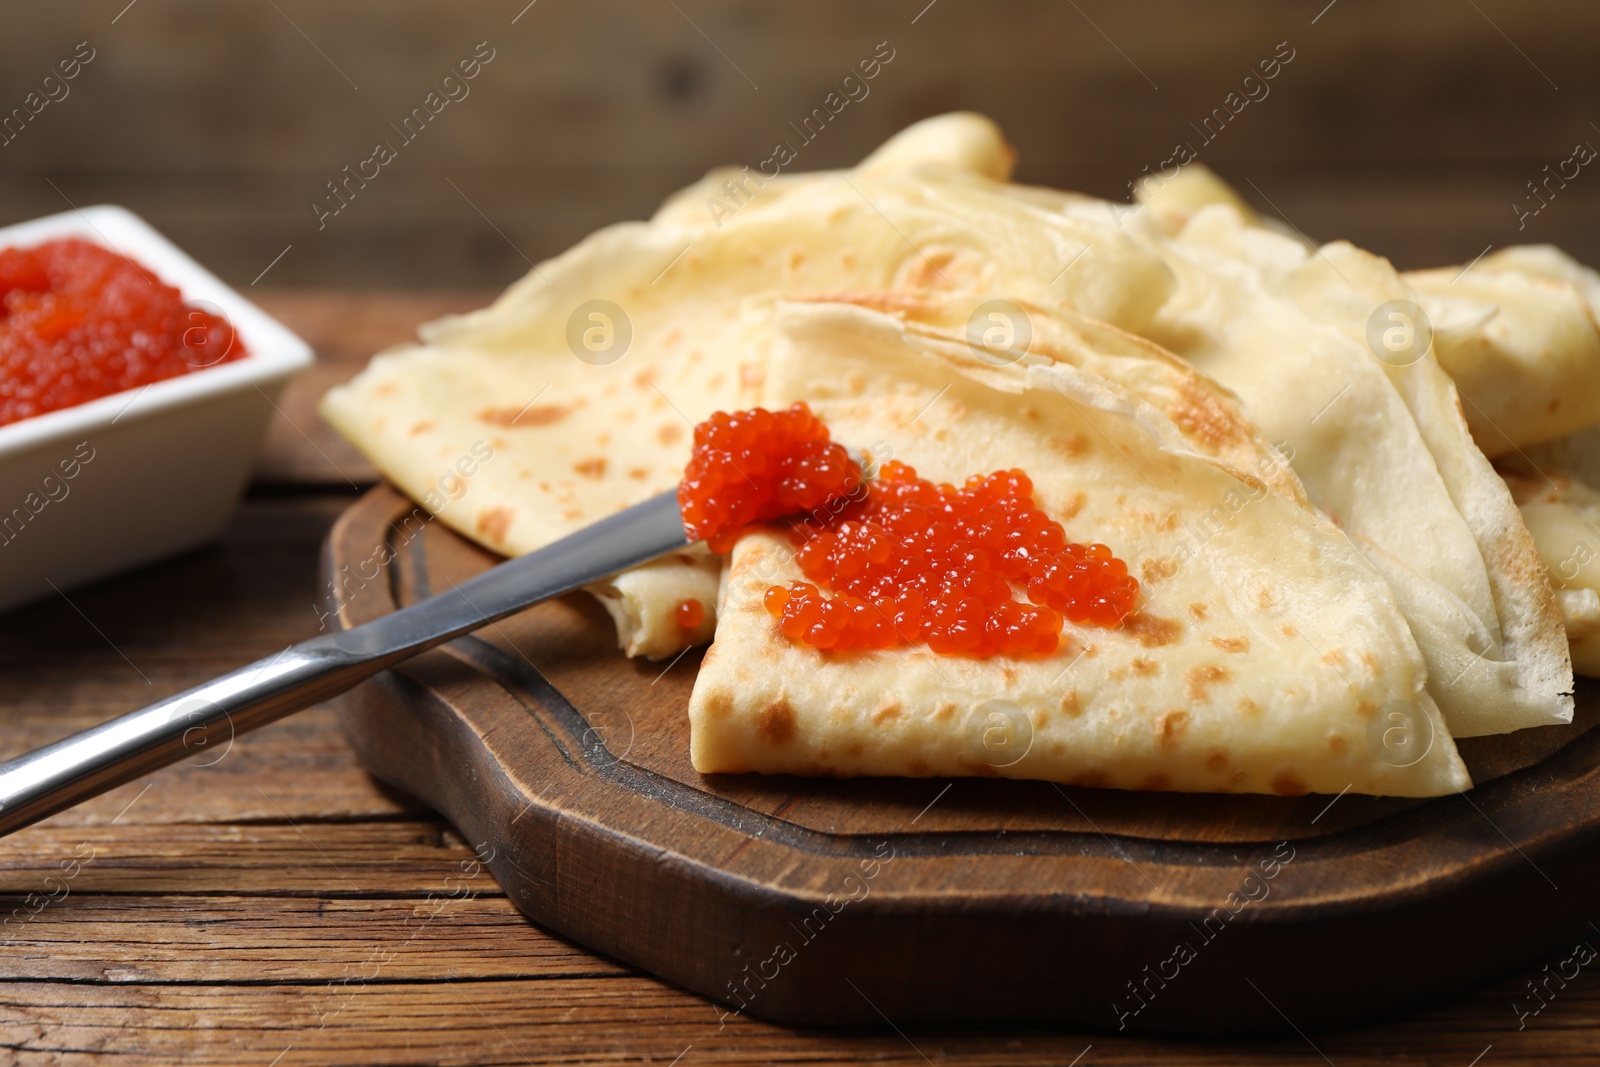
[[135, 387]]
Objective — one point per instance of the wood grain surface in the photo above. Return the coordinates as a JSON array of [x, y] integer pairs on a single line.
[[256, 911], [1410, 128]]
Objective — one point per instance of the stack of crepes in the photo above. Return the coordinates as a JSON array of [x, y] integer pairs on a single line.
[[1335, 579]]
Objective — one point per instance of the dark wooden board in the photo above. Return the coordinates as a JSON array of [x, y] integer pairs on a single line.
[[932, 901]]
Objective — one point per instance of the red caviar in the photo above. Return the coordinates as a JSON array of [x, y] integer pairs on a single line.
[[78, 322], [690, 613], [759, 465], [908, 560]]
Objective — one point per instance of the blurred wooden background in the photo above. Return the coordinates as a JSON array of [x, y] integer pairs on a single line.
[[1411, 129]]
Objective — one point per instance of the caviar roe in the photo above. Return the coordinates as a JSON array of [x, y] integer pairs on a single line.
[[906, 560], [78, 322], [755, 466], [690, 613]]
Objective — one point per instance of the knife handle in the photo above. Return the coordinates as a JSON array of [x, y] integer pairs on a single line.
[[190, 724], [85, 765]]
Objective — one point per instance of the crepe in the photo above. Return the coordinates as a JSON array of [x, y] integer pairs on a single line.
[[1563, 514], [585, 378], [1382, 447], [1517, 332], [1267, 654]]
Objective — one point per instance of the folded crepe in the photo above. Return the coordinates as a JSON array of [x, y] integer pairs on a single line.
[[1380, 445], [1267, 654], [1557, 487], [583, 380], [586, 377], [1517, 331], [1563, 514]]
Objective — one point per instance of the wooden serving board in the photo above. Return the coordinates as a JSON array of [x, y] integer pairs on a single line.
[[934, 901]]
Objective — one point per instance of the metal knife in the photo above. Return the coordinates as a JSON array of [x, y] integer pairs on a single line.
[[85, 765]]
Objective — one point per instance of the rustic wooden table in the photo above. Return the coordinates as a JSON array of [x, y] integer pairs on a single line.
[[269, 903]]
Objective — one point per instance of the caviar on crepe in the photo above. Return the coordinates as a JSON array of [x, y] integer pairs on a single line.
[[690, 613], [906, 561], [78, 322]]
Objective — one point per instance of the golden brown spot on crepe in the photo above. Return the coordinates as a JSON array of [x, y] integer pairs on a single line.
[[1158, 570], [1198, 610], [1286, 783], [1071, 445], [889, 711], [1217, 762], [1075, 504], [423, 427], [1151, 631], [1248, 706], [775, 723], [604, 440], [1032, 414], [1141, 665], [944, 711], [1371, 661], [719, 705], [1289, 631], [855, 384], [1202, 415], [1264, 598], [645, 378], [1199, 680], [715, 381], [543, 415], [1070, 705], [1232, 644], [1518, 558], [658, 402], [494, 523], [1170, 727], [752, 375], [1155, 783], [1333, 657], [924, 271], [572, 514], [669, 433], [641, 473], [386, 389], [1010, 675], [594, 467], [1366, 709], [1040, 718], [671, 337], [795, 257], [919, 768], [1336, 744]]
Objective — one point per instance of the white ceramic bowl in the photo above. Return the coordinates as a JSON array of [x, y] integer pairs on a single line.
[[119, 481]]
